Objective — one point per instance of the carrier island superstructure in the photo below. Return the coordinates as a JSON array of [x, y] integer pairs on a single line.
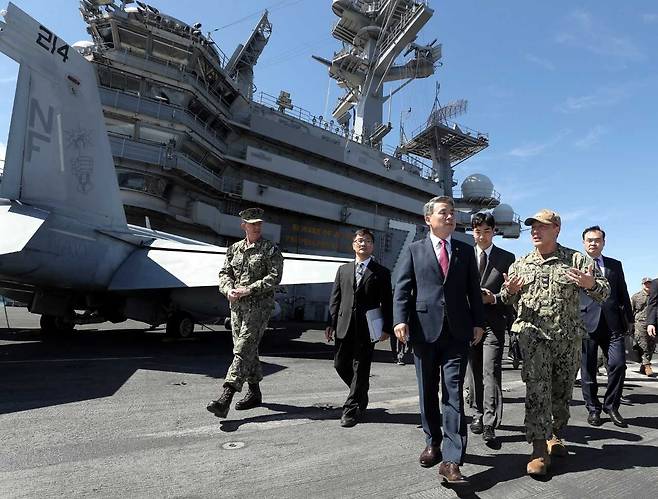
[[193, 143]]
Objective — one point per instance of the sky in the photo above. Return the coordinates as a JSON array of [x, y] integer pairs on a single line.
[[564, 89]]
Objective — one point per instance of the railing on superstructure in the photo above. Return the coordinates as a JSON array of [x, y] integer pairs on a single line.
[[451, 124], [191, 76], [165, 156], [156, 108], [424, 170], [167, 23], [376, 5]]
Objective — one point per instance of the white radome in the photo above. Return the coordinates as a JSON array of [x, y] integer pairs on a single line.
[[503, 213], [477, 186]]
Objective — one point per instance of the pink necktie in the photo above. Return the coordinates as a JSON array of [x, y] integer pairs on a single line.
[[444, 261]]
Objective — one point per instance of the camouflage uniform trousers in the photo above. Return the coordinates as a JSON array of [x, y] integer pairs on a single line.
[[646, 343], [248, 325], [549, 372]]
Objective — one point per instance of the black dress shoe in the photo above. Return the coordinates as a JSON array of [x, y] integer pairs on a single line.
[[476, 426], [616, 418], [347, 420], [594, 419], [450, 473], [431, 456]]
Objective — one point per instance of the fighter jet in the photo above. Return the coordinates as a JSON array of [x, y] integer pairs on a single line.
[[65, 247]]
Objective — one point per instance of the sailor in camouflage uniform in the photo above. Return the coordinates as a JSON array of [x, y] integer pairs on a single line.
[[544, 288], [645, 341], [252, 270]]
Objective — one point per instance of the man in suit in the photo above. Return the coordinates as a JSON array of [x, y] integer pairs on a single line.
[[360, 286], [606, 323], [437, 307], [485, 358]]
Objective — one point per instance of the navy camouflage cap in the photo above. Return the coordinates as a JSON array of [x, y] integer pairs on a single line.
[[252, 215]]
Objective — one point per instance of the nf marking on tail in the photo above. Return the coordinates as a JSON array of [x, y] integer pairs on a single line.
[[46, 125]]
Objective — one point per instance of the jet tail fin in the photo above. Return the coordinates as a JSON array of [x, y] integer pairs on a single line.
[[58, 153]]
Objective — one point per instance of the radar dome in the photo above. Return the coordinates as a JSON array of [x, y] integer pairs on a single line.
[[504, 214], [477, 186], [83, 46]]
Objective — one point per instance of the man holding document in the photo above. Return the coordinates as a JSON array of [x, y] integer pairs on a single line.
[[360, 315]]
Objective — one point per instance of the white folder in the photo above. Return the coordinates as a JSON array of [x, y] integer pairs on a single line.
[[375, 319]]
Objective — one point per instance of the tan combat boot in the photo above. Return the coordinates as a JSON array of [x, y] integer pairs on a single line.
[[556, 447], [539, 459], [647, 369]]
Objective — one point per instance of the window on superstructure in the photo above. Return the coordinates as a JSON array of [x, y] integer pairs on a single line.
[[132, 41]]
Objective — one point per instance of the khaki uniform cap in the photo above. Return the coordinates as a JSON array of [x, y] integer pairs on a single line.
[[544, 217]]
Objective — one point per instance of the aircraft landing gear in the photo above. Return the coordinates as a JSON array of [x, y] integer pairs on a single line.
[[55, 325], [180, 325]]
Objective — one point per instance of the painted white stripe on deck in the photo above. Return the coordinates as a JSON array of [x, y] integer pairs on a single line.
[[216, 429], [90, 359]]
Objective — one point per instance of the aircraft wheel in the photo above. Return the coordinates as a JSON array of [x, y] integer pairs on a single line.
[[54, 325], [180, 325]]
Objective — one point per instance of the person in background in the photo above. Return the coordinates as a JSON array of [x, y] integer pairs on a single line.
[[652, 318]]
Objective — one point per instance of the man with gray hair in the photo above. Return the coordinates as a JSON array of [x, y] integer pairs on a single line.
[[437, 307]]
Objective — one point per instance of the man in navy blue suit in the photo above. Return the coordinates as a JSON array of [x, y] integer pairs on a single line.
[[437, 307], [607, 323]]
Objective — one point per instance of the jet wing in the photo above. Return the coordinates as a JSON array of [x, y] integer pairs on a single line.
[[19, 224], [166, 264]]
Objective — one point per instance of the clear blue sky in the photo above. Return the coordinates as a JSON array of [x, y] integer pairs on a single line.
[[566, 91]]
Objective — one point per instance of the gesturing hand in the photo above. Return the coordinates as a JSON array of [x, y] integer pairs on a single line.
[[513, 284], [585, 280]]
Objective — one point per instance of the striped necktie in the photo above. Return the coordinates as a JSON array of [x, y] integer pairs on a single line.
[[360, 269]]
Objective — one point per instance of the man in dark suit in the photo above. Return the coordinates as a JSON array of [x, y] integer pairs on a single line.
[[606, 324], [485, 358], [437, 307], [360, 286]]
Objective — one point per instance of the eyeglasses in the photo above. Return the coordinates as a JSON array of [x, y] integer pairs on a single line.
[[363, 241]]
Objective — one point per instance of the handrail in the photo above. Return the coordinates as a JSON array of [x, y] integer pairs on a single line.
[[180, 68], [159, 110], [424, 170], [166, 157]]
